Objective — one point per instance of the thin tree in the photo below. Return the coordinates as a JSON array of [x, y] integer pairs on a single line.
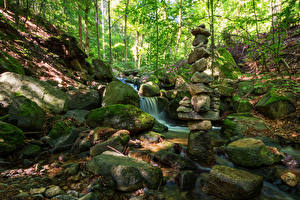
[[157, 35], [79, 26], [97, 28], [109, 31], [210, 6], [125, 32], [179, 29], [103, 30], [4, 4], [86, 30]]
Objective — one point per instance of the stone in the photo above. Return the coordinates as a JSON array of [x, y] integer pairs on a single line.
[[245, 87], [201, 77], [65, 142], [149, 89], [31, 150], [186, 180], [199, 125], [151, 137], [201, 31], [290, 179], [61, 128], [199, 66], [186, 102], [77, 115], [199, 88], [117, 143], [71, 169], [184, 109], [225, 90], [209, 115], [200, 148], [11, 137], [22, 195], [274, 105], [117, 92], [200, 40], [159, 127], [103, 70], [37, 190], [129, 174], [233, 184], [197, 54], [26, 114], [201, 103], [180, 83], [42, 93], [250, 152], [83, 99], [242, 105], [120, 117], [89, 196], [53, 191], [241, 125]]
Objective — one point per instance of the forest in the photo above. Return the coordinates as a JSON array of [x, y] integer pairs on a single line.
[[150, 99]]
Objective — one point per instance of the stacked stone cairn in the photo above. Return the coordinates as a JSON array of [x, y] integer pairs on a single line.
[[203, 106]]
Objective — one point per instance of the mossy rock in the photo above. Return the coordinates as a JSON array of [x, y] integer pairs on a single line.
[[275, 105], [9, 63], [149, 89], [11, 137], [241, 105], [226, 91], [245, 87], [61, 128], [121, 116], [250, 152], [26, 114], [31, 150], [226, 64]]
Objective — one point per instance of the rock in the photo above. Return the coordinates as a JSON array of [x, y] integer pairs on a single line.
[[245, 87], [199, 125], [184, 109], [250, 152], [64, 197], [103, 70], [242, 125], [61, 128], [274, 105], [11, 137], [186, 102], [209, 115], [186, 180], [199, 88], [201, 103], [180, 83], [233, 184], [89, 196], [102, 133], [22, 195], [290, 179], [65, 142], [78, 115], [159, 127], [129, 174], [53, 191], [83, 99], [261, 88], [200, 40], [241, 105], [200, 148], [197, 54], [199, 65], [117, 92], [26, 114], [149, 89], [151, 137], [37, 190], [84, 145], [31, 150], [175, 161], [71, 169], [225, 90], [167, 80], [119, 116], [201, 31], [201, 77], [117, 143], [43, 94]]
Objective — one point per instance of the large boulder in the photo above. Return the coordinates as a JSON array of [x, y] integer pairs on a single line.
[[241, 125], [199, 65], [11, 137], [149, 89], [26, 114], [117, 92], [120, 116], [103, 71], [275, 105], [83, 99], [250, 152], [128, 174], [42, 93], [233, 184]]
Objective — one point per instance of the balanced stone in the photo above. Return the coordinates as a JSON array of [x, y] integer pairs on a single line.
[[199, 88], [184, 109], [203, 77], [201, 31], [186, 101], [197, 54], [200, 40], [199, 125], [199, 65], [201, 103], [209, 115]]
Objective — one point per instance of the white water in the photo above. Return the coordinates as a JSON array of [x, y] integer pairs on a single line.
[[150, 105]]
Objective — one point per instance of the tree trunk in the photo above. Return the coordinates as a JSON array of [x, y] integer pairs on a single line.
[[179, 29], [4, 4], [103, 30], [140, 55], [17, 13], [125, 32], [109, 32], [136, 45], [211, 11], [86, 31], [80, 28], [156, 18], [97, 28]]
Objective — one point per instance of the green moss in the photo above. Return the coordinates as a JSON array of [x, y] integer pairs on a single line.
[[61, 128], [227, 65], [11, 137], [275, 96], [9, 63]]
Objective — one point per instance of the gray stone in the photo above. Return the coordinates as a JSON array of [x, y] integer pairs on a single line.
[[31, 150], [71, 169], [201, 77], [197, 54], [37, 190], [233, 184], [201, 31], [209, 115], [53, 191], [225, 90], [199, 66], [159, 127], [200, 40], [186, 102], [184, 109], [103, 70], [199, 88], [83, 99], [199, 125], [89, 196], [78, 115], [201, 103], [149, 89], [129, 174], [151, 137]]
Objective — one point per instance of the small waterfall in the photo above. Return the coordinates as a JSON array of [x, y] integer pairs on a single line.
[[150, 105], [124, 80]]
